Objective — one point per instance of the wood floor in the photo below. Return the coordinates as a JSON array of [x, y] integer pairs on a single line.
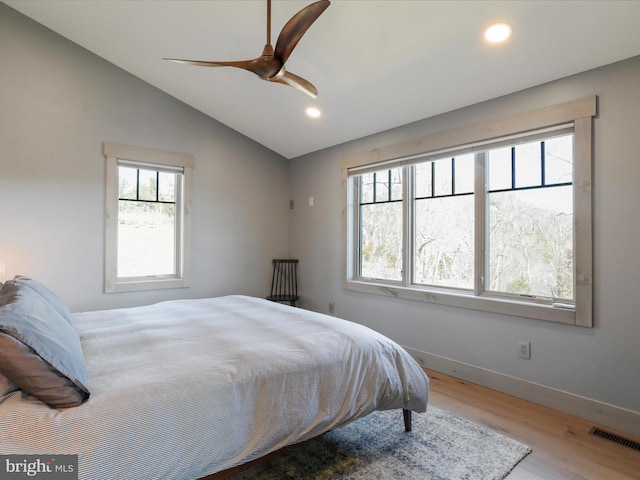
[[562, 447]]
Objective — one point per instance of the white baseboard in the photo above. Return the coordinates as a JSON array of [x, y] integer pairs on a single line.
[[592, 410]]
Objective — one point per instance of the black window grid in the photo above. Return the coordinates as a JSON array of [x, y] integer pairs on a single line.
[[157, 190], [433, 179], [513, 187], [452, 181], [389, 181], [543, 174]]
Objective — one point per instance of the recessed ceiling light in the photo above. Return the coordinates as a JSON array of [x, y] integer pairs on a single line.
[[498, 32], [313, 112]]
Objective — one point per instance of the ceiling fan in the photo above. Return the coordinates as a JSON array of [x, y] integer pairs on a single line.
[[270, 65]]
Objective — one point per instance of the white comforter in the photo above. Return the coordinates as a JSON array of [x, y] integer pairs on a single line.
[[186, 388]]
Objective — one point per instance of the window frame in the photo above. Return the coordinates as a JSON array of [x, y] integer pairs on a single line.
[[116, 155], [579, 115]]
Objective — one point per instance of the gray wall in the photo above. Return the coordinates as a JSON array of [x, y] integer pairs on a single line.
[[58, 104], [600, 363]]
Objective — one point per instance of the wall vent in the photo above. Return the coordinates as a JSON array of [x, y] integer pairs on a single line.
[[612, 437]]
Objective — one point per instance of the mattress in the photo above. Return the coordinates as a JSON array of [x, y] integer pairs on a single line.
[[186, 388]]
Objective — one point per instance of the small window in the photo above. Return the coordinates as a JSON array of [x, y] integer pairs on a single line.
[[148, 221]]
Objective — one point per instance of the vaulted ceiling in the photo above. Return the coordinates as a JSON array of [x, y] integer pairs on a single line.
[[376, 64]]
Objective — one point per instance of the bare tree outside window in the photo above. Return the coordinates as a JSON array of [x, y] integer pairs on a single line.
[[529, 221], [381, 225], [444, 223]]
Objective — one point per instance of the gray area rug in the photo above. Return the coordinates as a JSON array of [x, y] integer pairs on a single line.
[[441, 446]]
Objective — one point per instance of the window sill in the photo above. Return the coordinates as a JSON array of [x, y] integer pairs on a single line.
[[138, 285], [532, 310]]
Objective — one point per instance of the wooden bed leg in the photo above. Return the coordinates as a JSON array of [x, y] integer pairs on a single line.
[[407, 419]]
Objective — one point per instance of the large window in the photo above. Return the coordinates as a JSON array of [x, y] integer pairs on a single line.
[[148, 221], [499, 224]]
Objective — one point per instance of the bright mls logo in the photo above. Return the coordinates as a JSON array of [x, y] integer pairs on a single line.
[[50, 467]]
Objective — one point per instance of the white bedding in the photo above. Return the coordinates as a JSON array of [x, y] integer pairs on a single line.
[[186, 388]]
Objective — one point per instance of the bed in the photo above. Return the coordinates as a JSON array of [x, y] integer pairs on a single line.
[[187, 388]]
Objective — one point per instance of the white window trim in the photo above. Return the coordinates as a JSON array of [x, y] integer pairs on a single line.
[[579, 113], [114, 152]]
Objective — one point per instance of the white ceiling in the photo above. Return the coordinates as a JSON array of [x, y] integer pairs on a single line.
[[377, 64]]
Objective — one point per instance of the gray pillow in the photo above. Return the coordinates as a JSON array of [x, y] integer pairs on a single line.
[[40, 351], [45, 293]]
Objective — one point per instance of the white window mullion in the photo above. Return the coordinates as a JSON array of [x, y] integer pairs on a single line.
[[481, 220], [352, 220], [180, 224], [408, 208]]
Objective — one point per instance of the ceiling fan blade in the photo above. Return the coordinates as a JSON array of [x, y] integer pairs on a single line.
[[202, 63], [298, 83], [296, 27], [265, 66]]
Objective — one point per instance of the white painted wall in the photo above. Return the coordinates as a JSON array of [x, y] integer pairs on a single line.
[[58, 104], [602, 363]]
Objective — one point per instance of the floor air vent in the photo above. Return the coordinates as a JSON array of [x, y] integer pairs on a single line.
[[612, 437]]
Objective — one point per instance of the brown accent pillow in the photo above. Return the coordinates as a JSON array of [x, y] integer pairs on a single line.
[[6, 386], [33, 375]]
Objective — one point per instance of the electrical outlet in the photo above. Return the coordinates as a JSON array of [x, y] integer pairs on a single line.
[[332, 307], [524, 349]]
